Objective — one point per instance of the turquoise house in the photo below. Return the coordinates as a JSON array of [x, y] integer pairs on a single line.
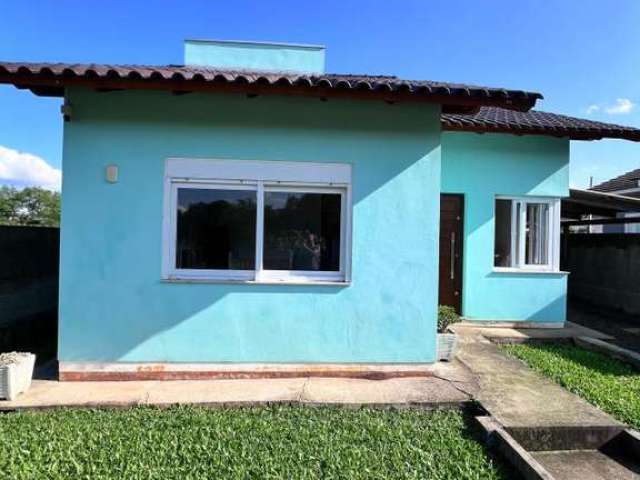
[[248, 214]]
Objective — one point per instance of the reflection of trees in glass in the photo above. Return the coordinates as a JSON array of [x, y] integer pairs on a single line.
[[218, 234], [302, 231]]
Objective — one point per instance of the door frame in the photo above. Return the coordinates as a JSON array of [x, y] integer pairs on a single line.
[[460, 282]]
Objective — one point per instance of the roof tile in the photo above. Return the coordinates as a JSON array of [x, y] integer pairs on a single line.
[[500, 120], [625, 181], [61, 72]]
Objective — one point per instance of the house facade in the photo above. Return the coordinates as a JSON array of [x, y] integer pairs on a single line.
[[220, 219]]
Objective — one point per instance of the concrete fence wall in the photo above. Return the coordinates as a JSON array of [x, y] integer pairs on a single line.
[[29, 259], [605, 269]]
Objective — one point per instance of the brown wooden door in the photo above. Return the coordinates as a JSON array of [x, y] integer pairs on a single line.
[[451, 231]]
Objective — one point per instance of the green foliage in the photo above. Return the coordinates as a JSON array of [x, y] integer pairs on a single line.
[[32, 206], [446, 316], [609, 384], [273, 442]]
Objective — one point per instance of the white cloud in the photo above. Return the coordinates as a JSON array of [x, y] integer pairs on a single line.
[[621, 107], [25, 169], [592, 109]]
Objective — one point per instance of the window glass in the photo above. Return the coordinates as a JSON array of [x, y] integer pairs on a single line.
[[536, 239], [216, 229], [502, 248], [301, 231]]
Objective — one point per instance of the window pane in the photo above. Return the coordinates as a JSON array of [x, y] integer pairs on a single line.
[[536, 241], [502, 250], [302, 231], [216, 229]]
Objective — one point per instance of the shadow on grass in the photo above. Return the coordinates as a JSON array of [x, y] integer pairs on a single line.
[[473, 432]]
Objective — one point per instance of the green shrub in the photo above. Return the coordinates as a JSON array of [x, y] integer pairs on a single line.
[[446, 316]]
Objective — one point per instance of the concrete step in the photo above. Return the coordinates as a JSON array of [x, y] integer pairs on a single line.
[[587, 465], [560, 452]]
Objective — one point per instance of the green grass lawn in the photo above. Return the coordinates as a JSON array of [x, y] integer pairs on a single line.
[[268, 442], [609, 384]]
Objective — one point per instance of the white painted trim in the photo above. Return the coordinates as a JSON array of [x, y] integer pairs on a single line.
[[232, 367], [556, 233], [259, 232], [348, 235], [525, 271], [255, 170], [467, 322], [292, 281], [246, 42], [261, 176], [521, 233], [169, 247]]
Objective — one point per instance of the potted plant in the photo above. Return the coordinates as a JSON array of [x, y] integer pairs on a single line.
[[16, 370], [447, 341]]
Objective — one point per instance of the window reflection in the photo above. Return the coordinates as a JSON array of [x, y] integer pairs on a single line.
[[302, 231], [216, 229]]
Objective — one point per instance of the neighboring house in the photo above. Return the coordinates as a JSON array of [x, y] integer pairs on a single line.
[[627, 185], [249, 214]]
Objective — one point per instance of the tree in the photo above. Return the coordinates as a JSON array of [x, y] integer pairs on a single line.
[[32, 206]]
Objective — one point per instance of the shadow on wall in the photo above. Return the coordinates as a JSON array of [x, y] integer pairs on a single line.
[[116, 308], [555, 311]]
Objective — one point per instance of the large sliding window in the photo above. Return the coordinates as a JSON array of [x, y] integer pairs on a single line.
[[273, 224], [527, 233]]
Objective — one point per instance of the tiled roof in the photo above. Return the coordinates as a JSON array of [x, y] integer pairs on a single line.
[[498, 120], [52, 78], [625, 181]]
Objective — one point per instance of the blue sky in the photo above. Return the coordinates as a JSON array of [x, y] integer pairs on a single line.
[[578, 53]]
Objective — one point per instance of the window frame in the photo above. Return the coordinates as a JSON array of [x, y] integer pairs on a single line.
[[261, 176], [201, 273], [518, 234]]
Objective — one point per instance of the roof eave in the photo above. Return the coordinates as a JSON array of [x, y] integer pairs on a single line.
[[551, 132], [55, 85]]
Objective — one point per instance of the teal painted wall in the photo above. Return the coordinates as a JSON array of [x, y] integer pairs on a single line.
[[481, 167], [255, 56], [113, 305]]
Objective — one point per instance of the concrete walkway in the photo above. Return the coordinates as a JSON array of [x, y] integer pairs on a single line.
[[513, 394], [450, 385], [519, 335], [518, 397]]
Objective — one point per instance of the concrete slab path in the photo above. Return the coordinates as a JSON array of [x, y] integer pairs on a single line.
[[518, 397], [514, 335], [450, 385]]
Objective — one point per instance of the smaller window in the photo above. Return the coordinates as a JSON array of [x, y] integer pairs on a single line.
[[527, 233]]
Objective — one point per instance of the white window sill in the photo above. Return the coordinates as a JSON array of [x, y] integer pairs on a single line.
[[525, 271], [327, 283]]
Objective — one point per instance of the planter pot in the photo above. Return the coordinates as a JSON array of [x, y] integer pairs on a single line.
[[447, 343], [15, 376]]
